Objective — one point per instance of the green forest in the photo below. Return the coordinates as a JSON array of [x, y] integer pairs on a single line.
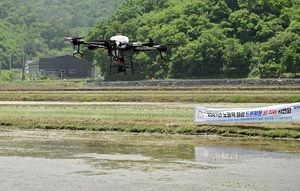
[[218, 38], [36, 28]]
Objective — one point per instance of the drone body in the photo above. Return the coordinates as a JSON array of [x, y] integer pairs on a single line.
[[119, 49], [121, 54]]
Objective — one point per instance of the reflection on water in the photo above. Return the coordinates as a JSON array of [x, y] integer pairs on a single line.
[[116, 157], [225, 154], [80, 160]]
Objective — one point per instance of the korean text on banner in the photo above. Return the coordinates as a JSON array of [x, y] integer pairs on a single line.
[[277, 113]]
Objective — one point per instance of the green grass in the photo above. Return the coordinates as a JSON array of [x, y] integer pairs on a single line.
[[185, 96], [78, 91], [138, 119]]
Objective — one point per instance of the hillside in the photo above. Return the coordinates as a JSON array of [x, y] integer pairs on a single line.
[[73, 13], [37, 27], [220, 38]]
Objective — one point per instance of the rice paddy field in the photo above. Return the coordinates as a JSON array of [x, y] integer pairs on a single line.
[[71, 136], [76, 106]]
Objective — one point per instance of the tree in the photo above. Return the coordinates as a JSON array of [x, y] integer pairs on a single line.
[[244, 24], [186, 62], [270, 70], [291, 58], [268, 29], [232, 4], [237, 59], [273, 49], [201, 58], [220, 38], [220, 12]]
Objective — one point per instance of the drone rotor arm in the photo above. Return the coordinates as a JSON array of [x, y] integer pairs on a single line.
[[150, 43], [94, 46]]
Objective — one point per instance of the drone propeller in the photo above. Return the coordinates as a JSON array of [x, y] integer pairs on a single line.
[[72, 38], [76, 41]]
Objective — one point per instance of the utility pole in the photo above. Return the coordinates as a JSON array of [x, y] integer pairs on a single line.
[[1, 52], [0, 62], [23, 67], [10, 61]]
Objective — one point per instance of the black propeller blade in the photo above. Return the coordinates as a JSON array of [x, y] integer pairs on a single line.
[[75, 40]]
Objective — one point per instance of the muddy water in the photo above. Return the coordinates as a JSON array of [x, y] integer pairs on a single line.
[[80, 160]]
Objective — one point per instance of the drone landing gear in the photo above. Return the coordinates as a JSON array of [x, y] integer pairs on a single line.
[[77, 50], [80, 53], [164, 60]]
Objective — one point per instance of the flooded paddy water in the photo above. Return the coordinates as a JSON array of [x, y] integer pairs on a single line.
[[87, 160]]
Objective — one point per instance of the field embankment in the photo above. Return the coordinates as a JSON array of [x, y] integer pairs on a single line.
[[185, 91], [140, 109]]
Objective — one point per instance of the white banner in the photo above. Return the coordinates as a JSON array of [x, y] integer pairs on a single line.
[[278, 113]]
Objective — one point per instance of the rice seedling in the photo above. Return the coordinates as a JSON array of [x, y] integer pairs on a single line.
[[155, 118], [149, 109]]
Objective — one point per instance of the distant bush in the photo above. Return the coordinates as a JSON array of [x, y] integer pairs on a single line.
[[9, 75]]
